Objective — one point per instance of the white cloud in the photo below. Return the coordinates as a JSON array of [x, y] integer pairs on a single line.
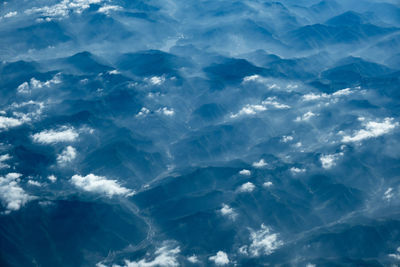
[[193, 259], [306, 116], [23, 88], [63, 8], [164, 257], [396, 255], [12, 196], [372, 129], [260, 164], [246, 187], [26, 88], [11, 14], [52, 178], [113, 72], [388, 195], [263, 242], [268, 184], [154, 95], [108, 8], [220, 259], [63, 134], [249, 110], [100, 185], [296, 170], [166, 111], [67, 155], [156, 80], [252, 78], [4, 158], [243, 250], [292, 86], [274, 86], [287, 138], [8, 122], [271, 101], [329, 160], [26, 111], [34, 183], [252, 109], [298, 144], [31, 108], [228, 212], [245, 172], [314, 97], [342, 92], [143, 112]]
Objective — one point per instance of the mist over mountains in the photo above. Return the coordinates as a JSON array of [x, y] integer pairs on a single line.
[[199, 133]]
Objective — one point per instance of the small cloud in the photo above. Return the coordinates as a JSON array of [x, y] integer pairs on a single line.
[[220, 259], [100, 185], [228, 212], [108, 8], [52, 178], [26, 88], [246, 188], [143, 112], [260, 164], [12, 196], [165, 111], [21, 113], [274, 86], [4, 158], [249, 110], [268, 184], [245, 172], [11, 14], [287, 138], [9, 122], [306, 116], [263, 242], [372, 129], [34, 183], [252, 78], [312, 96], [328, 161], [165, 256], [296, 170], [396, 255], [298, 144], [388, 195], [63, 8], [342, 92], [271, 101], [113, 72], [156, 80], [63, 134], [193, 259], [67, 155]]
